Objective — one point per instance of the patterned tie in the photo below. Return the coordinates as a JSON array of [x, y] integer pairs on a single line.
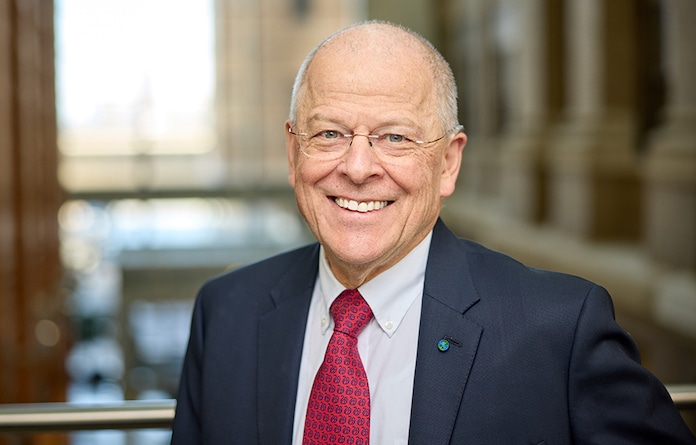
[[339, 404]]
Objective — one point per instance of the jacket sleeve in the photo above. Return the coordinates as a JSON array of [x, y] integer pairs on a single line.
[[187, 426], [612, 398]]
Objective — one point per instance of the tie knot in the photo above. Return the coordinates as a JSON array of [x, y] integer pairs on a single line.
[[350, 312]]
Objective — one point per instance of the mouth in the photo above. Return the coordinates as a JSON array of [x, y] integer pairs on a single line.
[[361, 206]]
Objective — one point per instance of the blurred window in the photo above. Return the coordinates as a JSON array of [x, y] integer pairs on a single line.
[[135, 91]]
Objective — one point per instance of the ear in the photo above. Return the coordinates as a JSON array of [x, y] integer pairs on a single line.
[[452, 163], [291, 148]]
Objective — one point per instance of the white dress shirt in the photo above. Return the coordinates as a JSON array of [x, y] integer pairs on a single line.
[[387, 344]]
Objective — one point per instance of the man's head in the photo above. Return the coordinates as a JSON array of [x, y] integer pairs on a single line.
[[371, 198]]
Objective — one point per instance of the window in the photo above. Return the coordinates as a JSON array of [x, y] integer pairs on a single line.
[[135, 95]]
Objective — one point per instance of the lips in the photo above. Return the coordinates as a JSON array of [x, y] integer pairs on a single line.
[[360, 206]]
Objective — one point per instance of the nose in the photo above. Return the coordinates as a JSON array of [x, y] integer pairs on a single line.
[[367, 136], [360, 162]]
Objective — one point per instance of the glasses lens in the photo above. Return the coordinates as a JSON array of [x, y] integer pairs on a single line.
[[333, 144]]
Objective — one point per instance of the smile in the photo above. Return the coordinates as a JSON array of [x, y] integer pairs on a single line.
[[364, 206]]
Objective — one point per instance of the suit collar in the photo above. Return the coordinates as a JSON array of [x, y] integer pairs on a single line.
[[441, 377], [448, 276]]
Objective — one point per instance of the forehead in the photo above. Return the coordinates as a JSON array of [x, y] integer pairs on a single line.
[[376, 70]]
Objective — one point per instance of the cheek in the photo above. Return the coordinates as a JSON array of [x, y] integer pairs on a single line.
[[303, 173], [308, 174], [421, 178]]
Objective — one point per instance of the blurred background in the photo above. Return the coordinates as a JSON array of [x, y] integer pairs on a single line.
[[142, 152]]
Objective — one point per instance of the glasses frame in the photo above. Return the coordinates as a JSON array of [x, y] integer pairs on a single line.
[[457, 128]]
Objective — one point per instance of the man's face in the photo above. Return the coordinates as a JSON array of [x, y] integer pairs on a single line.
[[367, 91]]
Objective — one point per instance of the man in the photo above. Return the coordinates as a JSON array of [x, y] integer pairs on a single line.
[[459, 344]]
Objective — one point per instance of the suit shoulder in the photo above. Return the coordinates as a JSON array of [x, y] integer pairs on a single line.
[[550, 303], [507, 273], [465, 263]]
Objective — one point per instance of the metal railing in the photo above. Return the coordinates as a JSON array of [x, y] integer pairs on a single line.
[[41, 417], [684, 396]]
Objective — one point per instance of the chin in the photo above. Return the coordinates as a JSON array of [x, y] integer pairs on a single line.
[[357, 254]]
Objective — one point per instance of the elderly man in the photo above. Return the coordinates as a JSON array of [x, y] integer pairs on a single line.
[[390, 330]]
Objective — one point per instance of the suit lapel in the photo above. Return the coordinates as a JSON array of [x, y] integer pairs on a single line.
[[441, 376], [282, 322]]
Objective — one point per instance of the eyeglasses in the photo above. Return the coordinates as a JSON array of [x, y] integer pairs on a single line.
[[329, 144]]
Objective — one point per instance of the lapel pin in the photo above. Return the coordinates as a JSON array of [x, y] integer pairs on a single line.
[[444, 343]]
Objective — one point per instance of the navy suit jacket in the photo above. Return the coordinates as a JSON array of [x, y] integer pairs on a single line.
[[537, 357]]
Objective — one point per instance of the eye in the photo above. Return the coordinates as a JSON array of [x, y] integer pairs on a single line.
[[395, 138], [329, 134]]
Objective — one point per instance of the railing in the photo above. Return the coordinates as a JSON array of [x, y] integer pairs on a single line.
[[152, 414], [684, 396], [70, 417]]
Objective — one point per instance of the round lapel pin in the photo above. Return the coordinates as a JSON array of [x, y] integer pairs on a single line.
[[443, 345]]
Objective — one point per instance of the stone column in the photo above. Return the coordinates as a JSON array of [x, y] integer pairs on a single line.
[[238, 109], [473, 59], [593, 176], [670, 170], [538, 81]]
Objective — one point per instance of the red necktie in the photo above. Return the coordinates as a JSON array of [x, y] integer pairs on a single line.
[[339, 404]]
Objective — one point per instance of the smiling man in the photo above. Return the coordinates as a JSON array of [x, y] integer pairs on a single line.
[[358, 116], [390, 330]]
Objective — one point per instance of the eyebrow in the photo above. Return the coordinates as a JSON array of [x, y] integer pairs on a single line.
[[321, 118], [405, 123]]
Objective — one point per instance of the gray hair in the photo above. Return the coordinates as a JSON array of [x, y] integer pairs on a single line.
[[445, 85]]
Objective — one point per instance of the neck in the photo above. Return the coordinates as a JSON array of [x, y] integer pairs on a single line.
[[352, 277]]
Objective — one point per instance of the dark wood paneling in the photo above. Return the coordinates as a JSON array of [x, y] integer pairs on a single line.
[[30, 271]]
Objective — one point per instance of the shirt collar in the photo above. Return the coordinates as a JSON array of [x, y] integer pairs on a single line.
[[389, 294]]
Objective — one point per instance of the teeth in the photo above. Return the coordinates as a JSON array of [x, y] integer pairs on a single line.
[[365, 206]]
